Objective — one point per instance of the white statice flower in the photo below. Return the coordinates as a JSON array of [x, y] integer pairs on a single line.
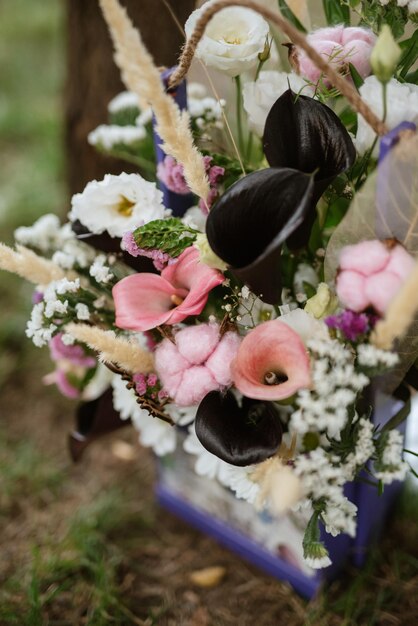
[[122, 101], [259, 96], [99, 271], [233, 38], [37, 329], [335, 385], [82, 311], [340, 517], [391, 466], [370, 356], [45, 234], [203, 108], [322, 479], [402, 106], [117, 204], [53, 304], [363, 451], [318, 562], [153, 432], [107, 136]]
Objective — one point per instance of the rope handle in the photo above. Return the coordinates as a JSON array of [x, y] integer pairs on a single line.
[[296, 38]]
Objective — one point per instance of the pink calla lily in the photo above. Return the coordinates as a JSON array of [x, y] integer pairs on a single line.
[[144, 301], [272, 363]]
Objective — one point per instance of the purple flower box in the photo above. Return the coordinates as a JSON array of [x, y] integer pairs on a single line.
[[274, 545]]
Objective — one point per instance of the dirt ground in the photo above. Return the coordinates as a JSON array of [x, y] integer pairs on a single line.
[[86, 543]]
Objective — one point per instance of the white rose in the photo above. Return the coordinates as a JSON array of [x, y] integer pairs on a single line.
[[233, 38], [402, 106], [260, 96], [117, 204]]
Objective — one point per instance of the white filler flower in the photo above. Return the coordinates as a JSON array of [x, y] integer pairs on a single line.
[[259, 96], [233, 39], [117, 204]]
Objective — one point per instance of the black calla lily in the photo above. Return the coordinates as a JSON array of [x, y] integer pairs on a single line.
[[252, 219], [94, 419], [238, 435], [304, 134]]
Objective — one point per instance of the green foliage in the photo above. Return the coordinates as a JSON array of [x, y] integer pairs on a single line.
[[374, 15], [336, 12], [286, 11], [169, 235], [409, 49], [357, 79]]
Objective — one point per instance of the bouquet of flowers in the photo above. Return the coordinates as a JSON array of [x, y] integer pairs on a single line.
[[251, 305]]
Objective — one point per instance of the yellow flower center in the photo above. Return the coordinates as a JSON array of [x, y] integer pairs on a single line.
[[125, 207]]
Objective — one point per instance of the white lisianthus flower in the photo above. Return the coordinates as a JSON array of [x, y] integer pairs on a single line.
[[117, 204], [108, 136], [233, 39], [259, 96], [402, 106]]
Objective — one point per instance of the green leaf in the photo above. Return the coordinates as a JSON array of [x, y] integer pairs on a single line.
[[336, 12], [410, 54], [170, 236], [289, 15], [357, 79]]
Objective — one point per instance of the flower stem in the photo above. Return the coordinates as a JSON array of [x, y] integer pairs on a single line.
[[239, 113]]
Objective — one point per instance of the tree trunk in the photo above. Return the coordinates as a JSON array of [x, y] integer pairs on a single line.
[[93, 79]]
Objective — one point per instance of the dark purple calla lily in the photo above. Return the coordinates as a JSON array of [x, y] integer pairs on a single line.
[[240, 435]]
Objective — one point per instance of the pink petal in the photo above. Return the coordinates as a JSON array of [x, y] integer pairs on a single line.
[[355, 34], [366, 257], [351, 290], [189, 273], [401, 262], [381, 288], [143, 301], [197, 343], [195, 385], [358, 53], [168, 360], [331, 33], [219, 363], [271, 347]]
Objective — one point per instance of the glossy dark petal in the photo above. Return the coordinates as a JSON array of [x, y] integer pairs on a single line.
[[238, 435], [306, 135], [94, 419], [105, 243], [251, 220]]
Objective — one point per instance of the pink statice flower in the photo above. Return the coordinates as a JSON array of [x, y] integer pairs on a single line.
[[159, 258], [272, 363], [371, 273], [171, 174], [145, 301], [196, 363], [340, 46]]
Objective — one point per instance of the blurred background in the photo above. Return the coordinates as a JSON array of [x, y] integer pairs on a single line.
[[86, 544]]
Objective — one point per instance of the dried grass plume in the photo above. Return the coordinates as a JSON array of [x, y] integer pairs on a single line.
[[112, 349], [141, 76], [28, 265]]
